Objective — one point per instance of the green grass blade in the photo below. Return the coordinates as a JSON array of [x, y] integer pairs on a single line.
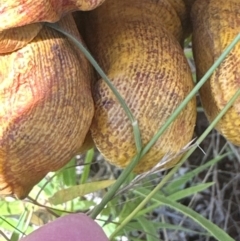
[[20, 226], [177, 195], [73, 192], [190, 191], [213, 229], [11, 208], [137, 239], [149, 229], [111, 192], [68, 173], [128, 207], [147, 210], [177, 183], [10, 224], [86, 169], [134, 225]]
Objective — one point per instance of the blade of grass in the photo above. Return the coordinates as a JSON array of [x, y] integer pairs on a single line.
[[27, 221], [68, 173], [213, 229], [111, 192], [137, 239], [128, 207], [134, 225], [177, 195], [86, 169], [15, 207], [16, 234], [174, 185], [68, 194], [172, 172], [4, 236], [149, 229], [9, 224], [190, 191], [46, 186]]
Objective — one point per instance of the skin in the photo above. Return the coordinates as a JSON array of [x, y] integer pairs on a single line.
[[215, 25], [74, 227], [137, 43], [46, 108]]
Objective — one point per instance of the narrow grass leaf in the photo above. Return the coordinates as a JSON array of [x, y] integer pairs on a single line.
[[213, 229], [20, 226], [177, 195], [86, 169], [82, 205], [135, 225], [10, 224], [26, 224], [68, 173], [11, 208], [70, 193], [179, 182], [149, 229], [137, 239], [108, 228], [190, 191], [146, 210], [128, 207], [46, 186], [112, 208]]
